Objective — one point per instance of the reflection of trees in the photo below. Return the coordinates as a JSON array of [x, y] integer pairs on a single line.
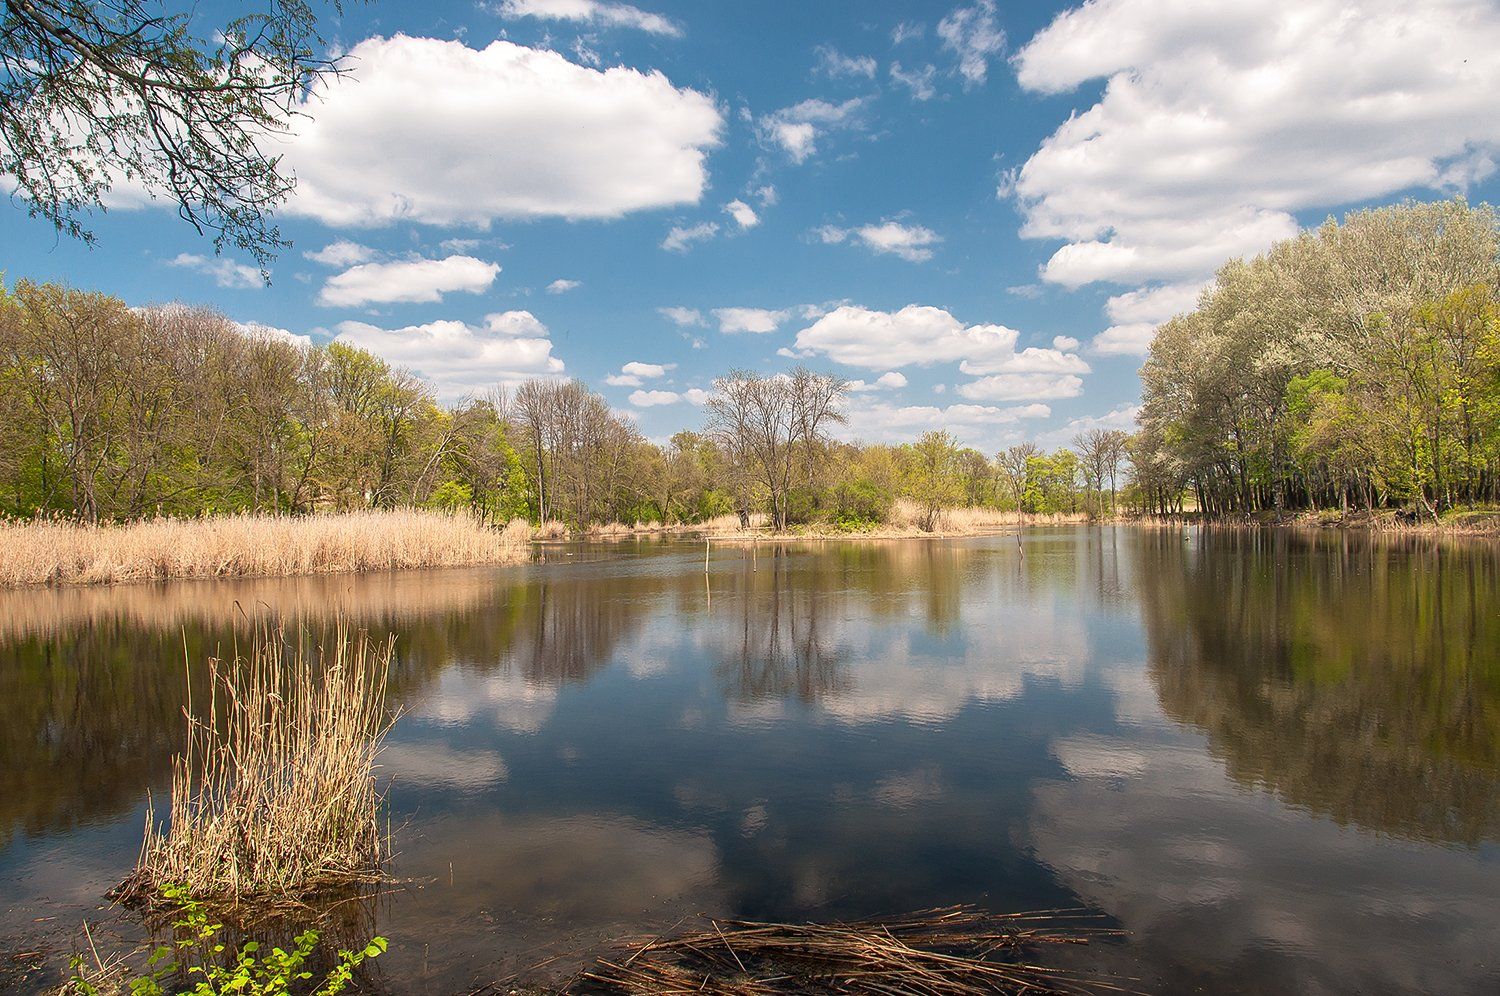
[[91, 681], [778, 646], [1356, 677]]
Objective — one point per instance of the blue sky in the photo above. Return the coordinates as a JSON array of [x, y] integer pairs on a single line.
[[978, 211]]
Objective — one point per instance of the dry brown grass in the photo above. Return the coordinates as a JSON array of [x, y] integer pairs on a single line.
[[42, 552], [946, 952], [274, 797], [906, 514]]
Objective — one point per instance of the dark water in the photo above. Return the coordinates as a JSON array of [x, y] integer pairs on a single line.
[[1273, 759]]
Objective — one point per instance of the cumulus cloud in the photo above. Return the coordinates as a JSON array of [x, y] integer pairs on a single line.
[[1153, 304], [260, 330], [1064, 342], [796, 129], [684, 317], [1023, 387], [460, 359], [696, 396], [910, 242], [522, 324], [410, 135], [974, 37], [881, 421], [835, 64], [417, 280], [651, 399], [922, 336], [743, 214], [1218, 122], [634, 373], [681, 239], [1121, 417], [1133, 339], [754, 320], [889, 381], [917, 335], [342, 253], [594, 12], [562, 285], [225, 272]]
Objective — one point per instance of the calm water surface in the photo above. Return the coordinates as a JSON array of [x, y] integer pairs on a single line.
[[1273, 759]]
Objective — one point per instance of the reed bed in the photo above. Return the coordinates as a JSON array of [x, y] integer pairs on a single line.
[[274, 797], [65, 552], [942, 952]]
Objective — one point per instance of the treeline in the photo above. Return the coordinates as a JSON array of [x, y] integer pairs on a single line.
[[1357, 365], [113, 413]]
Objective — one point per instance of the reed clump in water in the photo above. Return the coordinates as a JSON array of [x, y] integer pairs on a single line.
[[274, 797], [942, 952], [65, 551]]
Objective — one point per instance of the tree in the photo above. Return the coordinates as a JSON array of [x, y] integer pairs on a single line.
[[1014, 464], [765, 422], [934, 477], [94, 95]]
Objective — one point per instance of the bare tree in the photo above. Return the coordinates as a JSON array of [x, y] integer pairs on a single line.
[[1014, 463], [763, 421]]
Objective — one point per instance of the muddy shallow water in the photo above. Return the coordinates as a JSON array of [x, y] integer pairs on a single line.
[[1272, 758]]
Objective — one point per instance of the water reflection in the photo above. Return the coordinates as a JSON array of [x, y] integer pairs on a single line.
[[1357, 678], [1252, 751]]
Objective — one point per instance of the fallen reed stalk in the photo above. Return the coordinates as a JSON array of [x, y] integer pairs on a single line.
[[274, 797], [942, 952], [64, 551]]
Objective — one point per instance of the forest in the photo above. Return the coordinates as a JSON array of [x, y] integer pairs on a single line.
[[113, 413], [1356, 367]]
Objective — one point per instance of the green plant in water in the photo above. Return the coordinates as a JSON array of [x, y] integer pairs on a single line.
[[197, 963]]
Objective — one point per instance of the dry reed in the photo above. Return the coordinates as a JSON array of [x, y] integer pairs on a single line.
[[274, 797], [59, 551], [943, 952]]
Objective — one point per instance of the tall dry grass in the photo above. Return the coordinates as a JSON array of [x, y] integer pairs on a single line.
[[48, 551], [906, 514], [274, 796]]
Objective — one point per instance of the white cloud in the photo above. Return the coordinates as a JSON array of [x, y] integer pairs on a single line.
[[890, 381], [259, 330], [907, 31], [918, 81], [634, 373], [684, 317], [834, 64], [974, 37], [1153, 304], [743, 214], [910, 242], [342, 253], [562, 285], [1219, 121], [680, 239], [766, 195], [696, 396], [917, 335], [1121, 417], [418, 280], [1125, 340], [522, 324], [881, 421], [433, 131], [599, 12], [225, 272], [1023, 387], [753, 320], [796, 128], [650, 399], [1064, 342], [457, 358]]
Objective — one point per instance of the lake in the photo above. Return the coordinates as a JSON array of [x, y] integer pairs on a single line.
[[1273, 758]]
